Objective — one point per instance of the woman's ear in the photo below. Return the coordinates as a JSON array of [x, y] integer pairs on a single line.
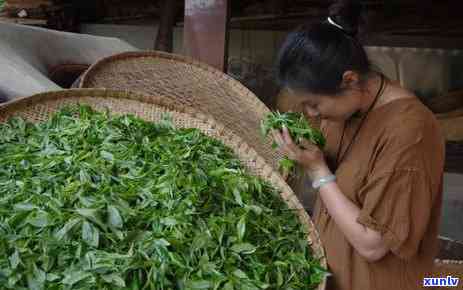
[[350, 80]]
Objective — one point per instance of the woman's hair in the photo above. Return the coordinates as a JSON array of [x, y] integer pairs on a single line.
[[314, 57]]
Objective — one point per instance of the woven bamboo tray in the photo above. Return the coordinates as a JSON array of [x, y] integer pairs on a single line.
[[187, 83], [39, 107], [444, 268]]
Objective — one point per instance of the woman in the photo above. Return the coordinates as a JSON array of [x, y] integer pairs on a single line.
[[379, 180]]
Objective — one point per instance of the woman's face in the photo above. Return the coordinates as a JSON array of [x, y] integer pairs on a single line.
[[339, 107]]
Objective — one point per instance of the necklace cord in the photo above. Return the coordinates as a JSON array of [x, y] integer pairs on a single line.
[[340, 158]]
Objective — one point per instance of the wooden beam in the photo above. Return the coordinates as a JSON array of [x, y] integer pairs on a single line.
[[206, 31], [416, 41]]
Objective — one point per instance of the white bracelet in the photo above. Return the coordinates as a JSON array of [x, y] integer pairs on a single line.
[[322, 181]]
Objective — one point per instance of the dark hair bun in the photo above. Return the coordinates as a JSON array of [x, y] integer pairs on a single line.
[[347, 14]]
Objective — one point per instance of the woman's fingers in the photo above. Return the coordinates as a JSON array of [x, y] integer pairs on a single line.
[[306, 153], [308, 145], [278, 138], [287, 145], [290, 148], [287, 136], [289, 141], [284, 147]]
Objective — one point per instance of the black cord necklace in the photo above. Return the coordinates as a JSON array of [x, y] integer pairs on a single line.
[[340, 158]]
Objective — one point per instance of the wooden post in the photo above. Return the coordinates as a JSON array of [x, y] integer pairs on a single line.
[[205, 35], [165, 37]]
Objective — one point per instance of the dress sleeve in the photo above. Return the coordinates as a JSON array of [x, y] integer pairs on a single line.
[[397, 197], [398, 204]]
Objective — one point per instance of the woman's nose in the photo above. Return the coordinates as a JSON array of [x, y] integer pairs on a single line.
[[311, 112]]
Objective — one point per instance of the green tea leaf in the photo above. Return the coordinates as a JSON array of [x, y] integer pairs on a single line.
[[201, 284], [241, 228], [237, 195], [60, 234], [92, 215], [91, 200], [243, 248], [114, 279], [240, 274], [107, 155], [38, 219], [228, 286], [75, 277], [52, 277], [14, 259], [90, 234], [114, 217], [169, 221], [280, 279], [299, 129], [36, 279], [25, 207]]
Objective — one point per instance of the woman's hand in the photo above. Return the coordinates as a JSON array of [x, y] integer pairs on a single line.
[[310, 157]]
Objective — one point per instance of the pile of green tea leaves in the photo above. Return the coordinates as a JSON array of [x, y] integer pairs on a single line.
[[94, 201], [299, 129]]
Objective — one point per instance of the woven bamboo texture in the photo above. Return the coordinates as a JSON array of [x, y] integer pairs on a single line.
[[444, 268], [187, 83], [39, 107], [452, 124]]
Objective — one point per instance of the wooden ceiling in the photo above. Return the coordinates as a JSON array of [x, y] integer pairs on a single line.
[[277, 14], [423, 23]]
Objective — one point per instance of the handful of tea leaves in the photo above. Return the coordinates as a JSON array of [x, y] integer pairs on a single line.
[[299, 129], [94, 201]]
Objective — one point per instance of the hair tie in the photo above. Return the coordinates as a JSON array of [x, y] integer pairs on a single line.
[[332, 22]]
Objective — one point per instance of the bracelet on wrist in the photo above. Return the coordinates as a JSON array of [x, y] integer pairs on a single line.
[[316, 184]]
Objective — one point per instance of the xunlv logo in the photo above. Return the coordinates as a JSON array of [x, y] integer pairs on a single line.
[[443, 282]]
